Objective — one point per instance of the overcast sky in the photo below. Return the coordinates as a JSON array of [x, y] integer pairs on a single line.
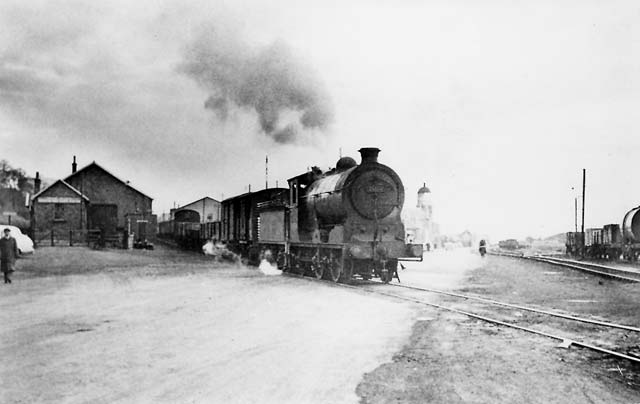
[[496, 105]]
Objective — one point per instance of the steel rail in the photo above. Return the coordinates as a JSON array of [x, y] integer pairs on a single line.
[[479, 317], [516, 306], [582, 268], [494, 321], [629, 270]]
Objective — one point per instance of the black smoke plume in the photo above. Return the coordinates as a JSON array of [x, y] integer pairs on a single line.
[[283, 92]]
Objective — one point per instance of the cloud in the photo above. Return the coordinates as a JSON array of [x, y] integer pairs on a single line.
[[79, 72], [43, 64], [270, 81], [102, 83], [21, 85], [286, 134]]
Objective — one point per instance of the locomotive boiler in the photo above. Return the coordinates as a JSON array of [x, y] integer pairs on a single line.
[[341, 223]]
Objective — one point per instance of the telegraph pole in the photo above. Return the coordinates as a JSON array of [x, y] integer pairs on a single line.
[[266, 171], [575, 211], [584, 180]]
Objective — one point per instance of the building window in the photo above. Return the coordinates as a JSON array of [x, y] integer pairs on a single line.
[[58, 212], [293, 193]]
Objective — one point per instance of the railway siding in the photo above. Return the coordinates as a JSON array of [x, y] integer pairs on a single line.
[[626, 274]]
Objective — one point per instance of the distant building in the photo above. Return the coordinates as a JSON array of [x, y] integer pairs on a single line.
[[164, 217], [204, 210], [91, 201], [466, 238], [192, 217]]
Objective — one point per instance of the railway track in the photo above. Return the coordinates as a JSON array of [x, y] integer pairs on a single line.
[[491, 318], [606, 271], [417, 295]]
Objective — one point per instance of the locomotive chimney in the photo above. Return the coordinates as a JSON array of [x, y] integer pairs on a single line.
[[369, 155], [37, 183], [74, 166]]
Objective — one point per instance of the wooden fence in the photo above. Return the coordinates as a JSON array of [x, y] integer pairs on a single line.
[[76, 237]]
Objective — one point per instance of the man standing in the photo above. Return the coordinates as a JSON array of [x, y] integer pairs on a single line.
[[8, 254]]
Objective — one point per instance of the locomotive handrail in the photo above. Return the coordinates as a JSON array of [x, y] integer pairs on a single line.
[[323, 192], [409, 259]]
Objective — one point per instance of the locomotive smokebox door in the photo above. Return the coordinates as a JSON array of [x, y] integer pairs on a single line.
[[374, 195]]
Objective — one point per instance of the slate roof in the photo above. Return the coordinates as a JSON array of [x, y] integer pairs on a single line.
[[66, 184], [94, 164]]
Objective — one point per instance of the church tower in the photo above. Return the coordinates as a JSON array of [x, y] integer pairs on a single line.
[[425, 204]]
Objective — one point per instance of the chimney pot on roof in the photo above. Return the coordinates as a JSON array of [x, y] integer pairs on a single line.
[[74, 166], [37, 183]]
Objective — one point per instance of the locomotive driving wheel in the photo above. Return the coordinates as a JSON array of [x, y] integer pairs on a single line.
[[347, 271], [295, 265], [335, 266]]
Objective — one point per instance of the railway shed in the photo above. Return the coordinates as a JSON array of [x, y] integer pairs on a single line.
[[91, 204], [192, 224], [204, 210]]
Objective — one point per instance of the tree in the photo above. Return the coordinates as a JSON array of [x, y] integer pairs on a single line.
[[13, 178]]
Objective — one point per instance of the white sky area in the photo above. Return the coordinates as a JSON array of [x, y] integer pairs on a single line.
[[496, 105]]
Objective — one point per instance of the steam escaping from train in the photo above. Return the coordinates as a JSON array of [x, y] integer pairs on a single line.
[[285, 93], [268, 265]]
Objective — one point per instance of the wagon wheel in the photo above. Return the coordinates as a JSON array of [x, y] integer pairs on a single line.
[[335, 267], [280, 260], [347, 272], [302, 267], [317, 266], [295, 266]]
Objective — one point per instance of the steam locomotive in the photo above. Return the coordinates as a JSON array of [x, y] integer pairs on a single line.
[[334, 225], [611, 242]]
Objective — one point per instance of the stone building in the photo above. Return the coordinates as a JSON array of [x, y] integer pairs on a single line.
[[58, 211], [89, 202]]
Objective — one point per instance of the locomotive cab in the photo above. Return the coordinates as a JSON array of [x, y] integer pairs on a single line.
[[302, 222]]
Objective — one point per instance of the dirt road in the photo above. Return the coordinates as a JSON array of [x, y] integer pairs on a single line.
[[80, 326], [203, 334]]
